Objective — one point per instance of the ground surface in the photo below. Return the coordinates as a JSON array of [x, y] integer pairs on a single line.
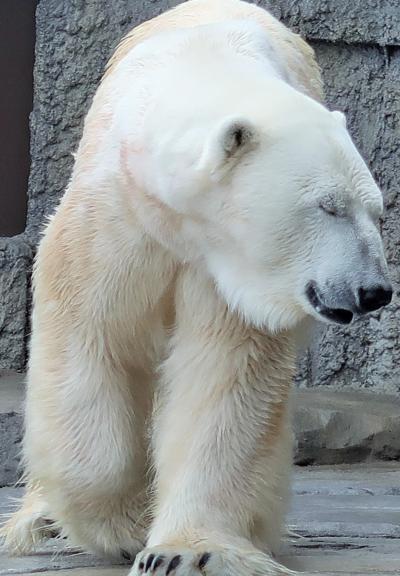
[[347, 520]]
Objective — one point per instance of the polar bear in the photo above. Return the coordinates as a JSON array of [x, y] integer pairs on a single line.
[[215, 205]]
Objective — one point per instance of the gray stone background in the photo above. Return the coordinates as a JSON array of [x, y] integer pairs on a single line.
[[357, 44]]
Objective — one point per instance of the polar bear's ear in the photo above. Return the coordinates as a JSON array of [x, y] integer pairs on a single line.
[[340, 116], [229, 142]]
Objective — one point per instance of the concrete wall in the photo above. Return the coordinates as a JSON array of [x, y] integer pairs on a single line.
[[358, 47]]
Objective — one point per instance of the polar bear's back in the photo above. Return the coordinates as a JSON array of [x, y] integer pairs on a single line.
[[295, 55]]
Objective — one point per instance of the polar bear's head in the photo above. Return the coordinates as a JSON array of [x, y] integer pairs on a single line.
[[282, 211], [300, 219]]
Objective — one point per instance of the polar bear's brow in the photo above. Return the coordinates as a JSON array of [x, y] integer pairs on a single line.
[[371, 198], [374, 207]]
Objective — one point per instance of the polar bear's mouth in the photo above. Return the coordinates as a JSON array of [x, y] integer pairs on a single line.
[[338, 315]]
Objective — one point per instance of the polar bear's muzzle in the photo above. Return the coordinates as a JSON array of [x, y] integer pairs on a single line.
[[366, 300], [338, 315]]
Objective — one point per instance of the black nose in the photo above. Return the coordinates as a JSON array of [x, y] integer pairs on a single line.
[[375, 297]]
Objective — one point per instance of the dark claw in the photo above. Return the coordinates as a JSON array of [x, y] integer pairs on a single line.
[[204, 559], [141, 565], [176, 560], [158, 562], [125, 555], [149, 561]]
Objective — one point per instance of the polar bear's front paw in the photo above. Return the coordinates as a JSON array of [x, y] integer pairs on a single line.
[[187, 561], [174, 561]]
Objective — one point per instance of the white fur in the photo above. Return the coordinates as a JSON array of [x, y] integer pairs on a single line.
[[170, 283]]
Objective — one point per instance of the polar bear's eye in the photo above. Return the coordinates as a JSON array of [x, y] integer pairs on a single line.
[[328, 208]]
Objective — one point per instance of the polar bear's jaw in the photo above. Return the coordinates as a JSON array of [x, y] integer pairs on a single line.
[[259, 297]]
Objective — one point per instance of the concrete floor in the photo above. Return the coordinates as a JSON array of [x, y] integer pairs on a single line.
[[347, 521]]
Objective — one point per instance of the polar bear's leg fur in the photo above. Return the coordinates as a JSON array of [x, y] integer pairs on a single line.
[[97, 335], [93, 477], [269, 526], [219, 429]]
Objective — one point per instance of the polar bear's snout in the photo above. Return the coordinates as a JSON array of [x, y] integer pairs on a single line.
[[374, 297], [340, 304], [340, 313]]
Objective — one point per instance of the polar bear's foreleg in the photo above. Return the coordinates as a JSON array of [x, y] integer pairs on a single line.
[[273, 502], [85, 446], [216, 442], [94, 472]]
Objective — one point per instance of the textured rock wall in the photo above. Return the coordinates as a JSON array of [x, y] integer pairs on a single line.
[[15, 266], [358, 47]]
